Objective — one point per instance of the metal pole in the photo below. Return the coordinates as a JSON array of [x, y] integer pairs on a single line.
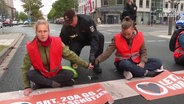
[[171, 19]]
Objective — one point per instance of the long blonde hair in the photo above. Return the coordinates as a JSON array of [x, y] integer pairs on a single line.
[[41, 22]]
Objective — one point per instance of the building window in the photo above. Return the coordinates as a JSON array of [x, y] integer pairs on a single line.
[[166, 5], [105, 2], [147, 3], [140, 3], [181, 8], [119, 1]]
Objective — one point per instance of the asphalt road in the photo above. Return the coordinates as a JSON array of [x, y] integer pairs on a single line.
[[156, 39]]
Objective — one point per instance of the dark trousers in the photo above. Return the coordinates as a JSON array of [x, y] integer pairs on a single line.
[[77, 46], [61, 77], [180, 60], [128, 65]]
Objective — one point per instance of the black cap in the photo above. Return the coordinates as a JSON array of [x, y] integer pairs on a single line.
[[68, 16]]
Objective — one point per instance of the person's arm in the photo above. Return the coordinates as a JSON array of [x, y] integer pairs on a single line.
[[181, 41], [25, 67], [107, 53], [94, 43], [71, 56], [143, 53]]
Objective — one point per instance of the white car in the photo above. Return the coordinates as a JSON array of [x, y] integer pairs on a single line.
[[1, 25]]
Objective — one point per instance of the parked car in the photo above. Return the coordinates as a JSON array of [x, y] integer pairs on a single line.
[[15, 22], [1, 25], [26, 22], [180, 23], [59, 20], [20, 23], [7, 22]]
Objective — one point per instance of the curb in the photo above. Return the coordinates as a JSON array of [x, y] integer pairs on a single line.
[[4, 53]]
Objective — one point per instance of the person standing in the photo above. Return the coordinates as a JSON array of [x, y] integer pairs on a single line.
[[142, 20], [179, 47], [130, 10], [45, 53], [80, 30], [131, 54]]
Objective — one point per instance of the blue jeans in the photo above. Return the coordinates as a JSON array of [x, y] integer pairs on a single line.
[[129, 65]]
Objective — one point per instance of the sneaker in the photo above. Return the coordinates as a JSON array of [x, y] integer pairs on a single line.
[[160, 70], [128, 75], [153, 73], [97, 69]]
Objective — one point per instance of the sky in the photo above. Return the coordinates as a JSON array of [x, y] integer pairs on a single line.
[[45, 9]]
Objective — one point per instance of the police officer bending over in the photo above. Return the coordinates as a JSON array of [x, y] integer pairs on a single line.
[[130, 10], [80, 30]]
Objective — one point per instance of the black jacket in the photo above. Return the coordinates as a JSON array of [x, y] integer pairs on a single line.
[[129, 10], [85, 33]]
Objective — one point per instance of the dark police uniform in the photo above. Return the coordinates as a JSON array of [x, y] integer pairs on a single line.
[[84, 33], [129, 10]]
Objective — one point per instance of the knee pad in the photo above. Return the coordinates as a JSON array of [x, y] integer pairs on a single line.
[[71, 69]]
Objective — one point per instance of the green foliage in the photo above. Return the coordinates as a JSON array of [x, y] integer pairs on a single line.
[[31, 7], [51, 14], [60, 6], [22, 16]]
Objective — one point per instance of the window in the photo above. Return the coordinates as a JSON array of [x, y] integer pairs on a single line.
[[105, 2], [181, 8], [166, 5], [141, 3], [147, 3], [119, 1]]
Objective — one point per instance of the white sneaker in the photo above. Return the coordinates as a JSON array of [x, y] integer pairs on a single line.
[[160, 70], [128, 75]]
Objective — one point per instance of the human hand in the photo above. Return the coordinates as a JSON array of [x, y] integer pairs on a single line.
[[27, 91], [90, 66], [141, 64]]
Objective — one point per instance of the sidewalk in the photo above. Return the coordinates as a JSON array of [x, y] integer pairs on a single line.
[[10, 40]]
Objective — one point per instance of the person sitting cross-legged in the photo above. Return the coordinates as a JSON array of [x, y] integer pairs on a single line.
[[131, 53], [45, 53]]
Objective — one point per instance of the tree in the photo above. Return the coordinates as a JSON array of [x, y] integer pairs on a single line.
[[60, 6], [22, 16], [51, 14], [31, 7]]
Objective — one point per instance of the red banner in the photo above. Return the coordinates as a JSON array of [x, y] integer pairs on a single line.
[[164, 85], [94, 94]]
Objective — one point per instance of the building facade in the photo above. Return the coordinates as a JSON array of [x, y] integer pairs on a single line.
[[172, 9], [7, 10], [150, 11]]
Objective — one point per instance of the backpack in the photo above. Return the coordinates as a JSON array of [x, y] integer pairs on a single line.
[[172, 41]]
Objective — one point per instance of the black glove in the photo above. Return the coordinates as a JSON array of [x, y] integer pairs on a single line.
[[92, 59]]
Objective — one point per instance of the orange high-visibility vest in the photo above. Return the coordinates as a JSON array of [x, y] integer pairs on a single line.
[[55, 56], [178, 51], [127, 52]]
